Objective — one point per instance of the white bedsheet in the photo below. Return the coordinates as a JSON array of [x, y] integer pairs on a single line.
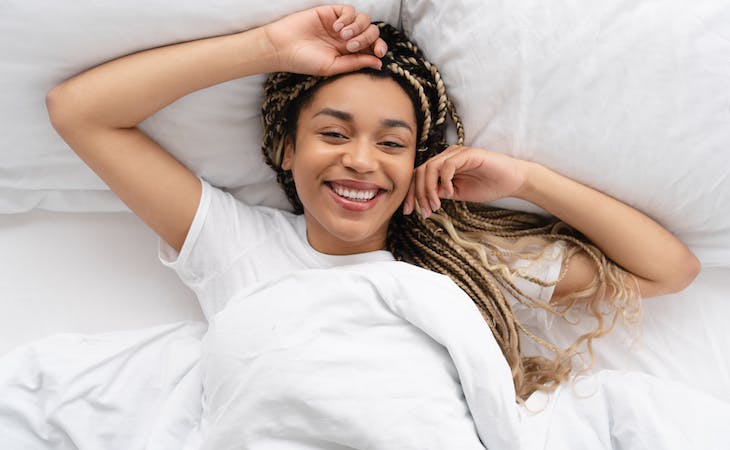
[[142, 389], [626, 410], [53, 279], [121, 390], [85, 273]]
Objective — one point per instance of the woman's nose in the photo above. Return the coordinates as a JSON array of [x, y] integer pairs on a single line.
[[360, 156]]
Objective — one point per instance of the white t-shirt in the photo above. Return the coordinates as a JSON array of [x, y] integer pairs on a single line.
[[231, 246], [356, 351]]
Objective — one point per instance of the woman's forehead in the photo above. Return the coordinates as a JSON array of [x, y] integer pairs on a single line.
[[359, 94]]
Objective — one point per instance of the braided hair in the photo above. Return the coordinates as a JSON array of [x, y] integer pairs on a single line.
[[471, 243]]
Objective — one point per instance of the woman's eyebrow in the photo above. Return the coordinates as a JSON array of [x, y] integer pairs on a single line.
[[393, 123], [347, 117], [336, 113]]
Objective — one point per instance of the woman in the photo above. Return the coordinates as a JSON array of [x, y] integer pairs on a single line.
[[345, 148]]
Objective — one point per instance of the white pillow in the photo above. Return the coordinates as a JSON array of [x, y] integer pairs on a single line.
[[632, 98], [216, 131]]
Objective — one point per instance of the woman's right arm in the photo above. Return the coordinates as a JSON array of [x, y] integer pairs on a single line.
[[97, 111]]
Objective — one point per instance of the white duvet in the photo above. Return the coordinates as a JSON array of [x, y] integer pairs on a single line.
[[384, 356]]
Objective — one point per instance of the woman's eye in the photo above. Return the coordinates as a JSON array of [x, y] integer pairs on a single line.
[[333, 134], [392, 144]]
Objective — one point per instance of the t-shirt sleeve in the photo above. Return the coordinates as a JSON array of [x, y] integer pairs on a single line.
[[222, 230], [547, 268]]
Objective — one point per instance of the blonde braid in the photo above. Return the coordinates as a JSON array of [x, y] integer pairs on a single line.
[[421, 96], [444, 104]]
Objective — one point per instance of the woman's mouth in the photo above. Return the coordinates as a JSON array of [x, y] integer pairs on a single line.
[[355, 197], [354, 194]]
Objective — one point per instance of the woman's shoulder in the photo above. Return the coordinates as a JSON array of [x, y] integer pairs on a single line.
[[245, 204]]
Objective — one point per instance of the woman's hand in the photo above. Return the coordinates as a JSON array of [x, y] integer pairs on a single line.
[[326, 40], [464, 173]]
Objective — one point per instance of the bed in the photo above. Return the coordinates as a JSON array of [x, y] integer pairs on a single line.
[[632, 98]]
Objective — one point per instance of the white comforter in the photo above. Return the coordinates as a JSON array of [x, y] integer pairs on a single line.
[[144, 389]]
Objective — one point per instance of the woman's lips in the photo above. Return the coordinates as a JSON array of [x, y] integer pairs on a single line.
[[354, 188]]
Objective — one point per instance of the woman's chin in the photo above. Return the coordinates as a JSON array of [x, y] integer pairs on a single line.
[[339, 233], [353, 238]]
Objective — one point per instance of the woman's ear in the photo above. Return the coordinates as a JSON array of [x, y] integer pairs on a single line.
[[288, 154]]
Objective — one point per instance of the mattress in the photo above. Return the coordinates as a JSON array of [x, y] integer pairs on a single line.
[[83, 272]]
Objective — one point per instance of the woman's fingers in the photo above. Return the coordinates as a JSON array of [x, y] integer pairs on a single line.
[[325, 40], [380, 48], [421, 194], [346, 15], [431, 184], [360, 34], [433, 180], [361, 38], [446, 176], [353, 62], [356, 27], [419, 188], [409, 203], [365, 40], [427, 187]]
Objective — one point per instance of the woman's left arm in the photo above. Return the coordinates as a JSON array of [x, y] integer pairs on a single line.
[[661, 263]]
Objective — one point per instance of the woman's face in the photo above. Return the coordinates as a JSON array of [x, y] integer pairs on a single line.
[[352, 161]]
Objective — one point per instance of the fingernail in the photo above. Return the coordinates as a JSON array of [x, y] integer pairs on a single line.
[[347, 34], [425, 212], [338, 26], [405, 209], [353, 46], [434, 206]]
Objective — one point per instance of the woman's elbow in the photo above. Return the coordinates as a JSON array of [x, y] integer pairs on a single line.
[[685, 273], [57, 106], [693, 269], [677, 277]]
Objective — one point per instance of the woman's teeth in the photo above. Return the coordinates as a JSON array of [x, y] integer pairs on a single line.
[[353, 194]]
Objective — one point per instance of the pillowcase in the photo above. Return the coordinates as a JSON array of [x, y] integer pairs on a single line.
[[216, 131], [631, 98]]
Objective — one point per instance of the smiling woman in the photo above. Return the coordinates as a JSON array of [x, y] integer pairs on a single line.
[[326, 136], [352, 161], [355, 121]]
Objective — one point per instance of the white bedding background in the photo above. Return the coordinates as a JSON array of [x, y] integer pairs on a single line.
[[630, 97]]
